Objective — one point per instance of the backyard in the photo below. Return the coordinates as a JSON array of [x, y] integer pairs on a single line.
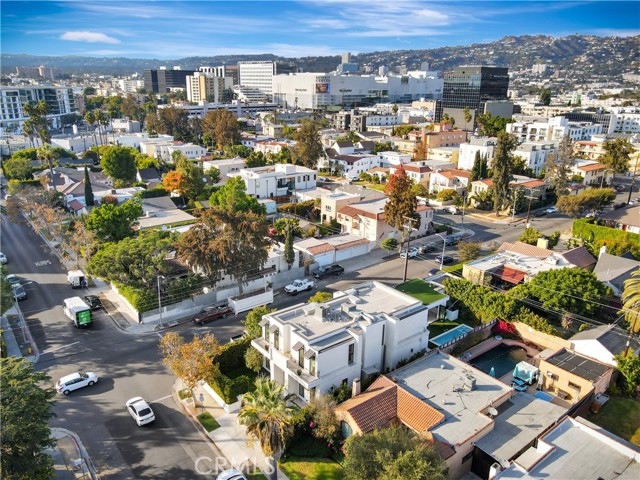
[[306, 468], [421, 290], [621, 416]]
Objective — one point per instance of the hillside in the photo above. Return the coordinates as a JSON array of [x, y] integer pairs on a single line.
[[581, 56]]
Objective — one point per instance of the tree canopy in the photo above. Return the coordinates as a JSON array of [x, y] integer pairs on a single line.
[[589, 200], [222, 126], [112, 223], [232, 197], [492, 126], [559, 165], [17, 168], [253, 319], [502, 168], [308, 148], [617, 154], [402, 202], [391, 453], [631, 298], [25, 408], [119, 163]]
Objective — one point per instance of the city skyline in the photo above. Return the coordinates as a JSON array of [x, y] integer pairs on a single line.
[[292, 29]]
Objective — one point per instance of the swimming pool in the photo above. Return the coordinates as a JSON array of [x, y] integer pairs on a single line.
[[451, 334], [503, 358]]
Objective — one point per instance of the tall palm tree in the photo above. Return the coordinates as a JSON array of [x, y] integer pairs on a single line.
[[631, 298], [268, 419], [45, 152], [101, 120], [90, 118]]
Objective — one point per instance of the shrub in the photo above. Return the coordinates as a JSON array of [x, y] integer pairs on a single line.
[[301, 208], [153, 193], [341, 393], [253, 359], [446, 195], [535, 321], [230, 388], [504, 328], [142, 299], [232, 354], [617, 241]]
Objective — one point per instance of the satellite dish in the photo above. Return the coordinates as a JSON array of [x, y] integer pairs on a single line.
[[492, 411]]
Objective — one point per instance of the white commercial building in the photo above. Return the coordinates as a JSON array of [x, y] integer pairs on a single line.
[[276, 180], [467, 153], [60, 100], [258, 75], [624, 120], [129, 85], [311, 348], [316, 90]]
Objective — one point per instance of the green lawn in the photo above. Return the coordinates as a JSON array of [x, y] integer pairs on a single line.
[[309, 468], [420, 290], [620, 416], [373, 186], [208, 422], [437, 328]]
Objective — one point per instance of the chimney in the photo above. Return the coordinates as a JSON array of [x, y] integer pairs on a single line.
[[355, 389]]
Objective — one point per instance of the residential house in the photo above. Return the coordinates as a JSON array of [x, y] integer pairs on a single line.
[[535, 154], [479, 188], [592, 173], [571, 376], [162, 212], [367, 220], [613, 271], [273, 181], [77, 208], [416, 171], [312, 348], [271, 146], [404, 145], [627, 219], [136, 139], [189, 150], [604, 342], [332, 249], [393, 159], [149, 176], [334, 200], [227, 166], [449, 179], [351, 165], [467, 153], [576, 448]]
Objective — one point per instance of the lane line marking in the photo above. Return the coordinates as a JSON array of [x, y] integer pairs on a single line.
[[49, 350], [160, 399]]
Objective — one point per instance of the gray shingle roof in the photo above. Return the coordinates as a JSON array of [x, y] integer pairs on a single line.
[[614, 270], [613, 338]]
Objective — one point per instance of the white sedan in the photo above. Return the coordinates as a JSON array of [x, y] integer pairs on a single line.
[[413, 252], [74, 381], [551, 210], [3, 258], [140, 410]]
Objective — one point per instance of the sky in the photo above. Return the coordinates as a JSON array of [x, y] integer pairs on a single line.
[[173, 30]]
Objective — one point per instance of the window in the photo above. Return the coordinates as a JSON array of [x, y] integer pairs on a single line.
[[573, 385], [345, 430], [312, 365], [301, 357], [351, 353], [266, 332], [276, 339], [301, 390]]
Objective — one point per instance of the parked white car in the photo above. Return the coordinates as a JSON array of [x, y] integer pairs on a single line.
[[3, 259], [551, 210], [413, 252], [231, 474], [74, 381], [140, 410], [299, 285]]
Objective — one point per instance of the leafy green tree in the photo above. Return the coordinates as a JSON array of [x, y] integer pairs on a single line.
[[25, 409], [130, 108], [134, 261], [530, 236], [402, 202], [629, 368], [545, 97], [491, 126], [502, 167], [214, 175], [468, 251], [253, 319], [308, 148], [289, 228], [174, 121], [403, 130], [17, 168], [476, 170], [37, 123], [88, 190], [256, 159], [119, 163], [232, 241], [484, 167], [241, 151], [391, 453], [389, 244], [91, 156], [559, 165], [320, 297], [6, 293], [631, 298], [617, 154], [420, 190], [112, 223], [322, 411], [253, 359], [268, 419], [589, 200], [566, 290], [382, 147], [143, 161], [192, 174], [222, 126], [232, 197]]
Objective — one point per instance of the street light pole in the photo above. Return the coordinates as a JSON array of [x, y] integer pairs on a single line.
[[444, 244], [160, 300]]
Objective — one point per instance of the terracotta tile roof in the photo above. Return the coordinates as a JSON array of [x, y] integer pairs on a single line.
[[324, 248], [461, 173], [592, 167], [532, 184], [580, 257], [510, 275], [415, 413], [360, 241], [487, 181], [417, 169], [524, 249], [75, 205]]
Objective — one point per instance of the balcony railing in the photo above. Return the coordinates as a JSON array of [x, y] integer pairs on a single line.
[[304, 375]]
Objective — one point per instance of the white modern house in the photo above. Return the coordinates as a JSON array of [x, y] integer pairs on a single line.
[[467, 155], [535, 153], [276, 180], [554, 128], [311, 348]]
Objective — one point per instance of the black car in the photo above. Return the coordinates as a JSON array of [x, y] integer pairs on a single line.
[[445, 260], [539, 213], [328, 270], [93, 302]]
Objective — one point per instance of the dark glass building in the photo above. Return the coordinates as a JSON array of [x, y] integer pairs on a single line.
[[472, 86], [160, 81]]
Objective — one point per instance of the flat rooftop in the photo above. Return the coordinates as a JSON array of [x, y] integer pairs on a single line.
[[577, 449], [362, 303], [440, 381], [579, 365], [520, 420]]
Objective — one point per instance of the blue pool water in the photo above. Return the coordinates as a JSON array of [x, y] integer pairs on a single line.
[[451, 334], [503, 358]]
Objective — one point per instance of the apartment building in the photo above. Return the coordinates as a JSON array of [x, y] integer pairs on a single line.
[[467, 153], [535, 154], [60, 100], [450, 179], [345, 195], [276, 180], [164, 79], [552, 129], [203, 88], [312, 348], [592, 172]]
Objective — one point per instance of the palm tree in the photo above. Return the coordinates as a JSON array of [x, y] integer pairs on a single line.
[[45, 152], [90, 118], [268, 419], [101, 120], [631, 298]]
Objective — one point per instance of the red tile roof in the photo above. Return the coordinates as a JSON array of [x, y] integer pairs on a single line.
[[591, 167], [324, 248], [510, 275]]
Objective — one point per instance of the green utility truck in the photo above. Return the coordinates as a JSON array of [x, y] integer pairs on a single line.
[[78, 311]]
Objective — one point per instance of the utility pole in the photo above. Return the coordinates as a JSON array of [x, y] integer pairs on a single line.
[[408, 225], [633, 180], [530, 197]]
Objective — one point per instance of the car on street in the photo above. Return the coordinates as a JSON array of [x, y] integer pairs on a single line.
[[13, 280], [413, 252], [444, 260], [453, 210], [212, 313], [74, 381], [140, 411], [298, 286], [19, 293], [618, 188], [551, 210], [329, 270], [92, 301], [231, 474], [539, 213], [427, 247], [3, 259]]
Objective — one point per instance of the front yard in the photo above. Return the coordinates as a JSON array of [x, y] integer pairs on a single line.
[[621, 416], [309, 468]]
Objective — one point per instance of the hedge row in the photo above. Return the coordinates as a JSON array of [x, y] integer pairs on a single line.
[[142, 299], [617, 241], [300, 208], [231, 357]]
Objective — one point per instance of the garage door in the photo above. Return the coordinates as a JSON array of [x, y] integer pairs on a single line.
[[324, 258]]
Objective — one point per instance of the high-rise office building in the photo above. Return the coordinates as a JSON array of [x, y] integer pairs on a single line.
[[222, 71], [163, 80], [258, 75], [478, 88], [207, 87]]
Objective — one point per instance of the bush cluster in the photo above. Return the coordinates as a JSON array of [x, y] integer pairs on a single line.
[[231, 357]]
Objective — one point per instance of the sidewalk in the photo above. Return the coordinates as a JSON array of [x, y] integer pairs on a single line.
[[17, 337], [70, 459], [229, 437]]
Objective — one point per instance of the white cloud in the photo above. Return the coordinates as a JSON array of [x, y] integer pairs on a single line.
[[92, 37]]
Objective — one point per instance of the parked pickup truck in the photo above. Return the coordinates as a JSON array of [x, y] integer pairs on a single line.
[[329, 270], [210, 314], [299, 286]]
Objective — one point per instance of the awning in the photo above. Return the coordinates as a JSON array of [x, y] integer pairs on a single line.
[[309, 353], [510, 275], [297, 346], [263, 322]]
